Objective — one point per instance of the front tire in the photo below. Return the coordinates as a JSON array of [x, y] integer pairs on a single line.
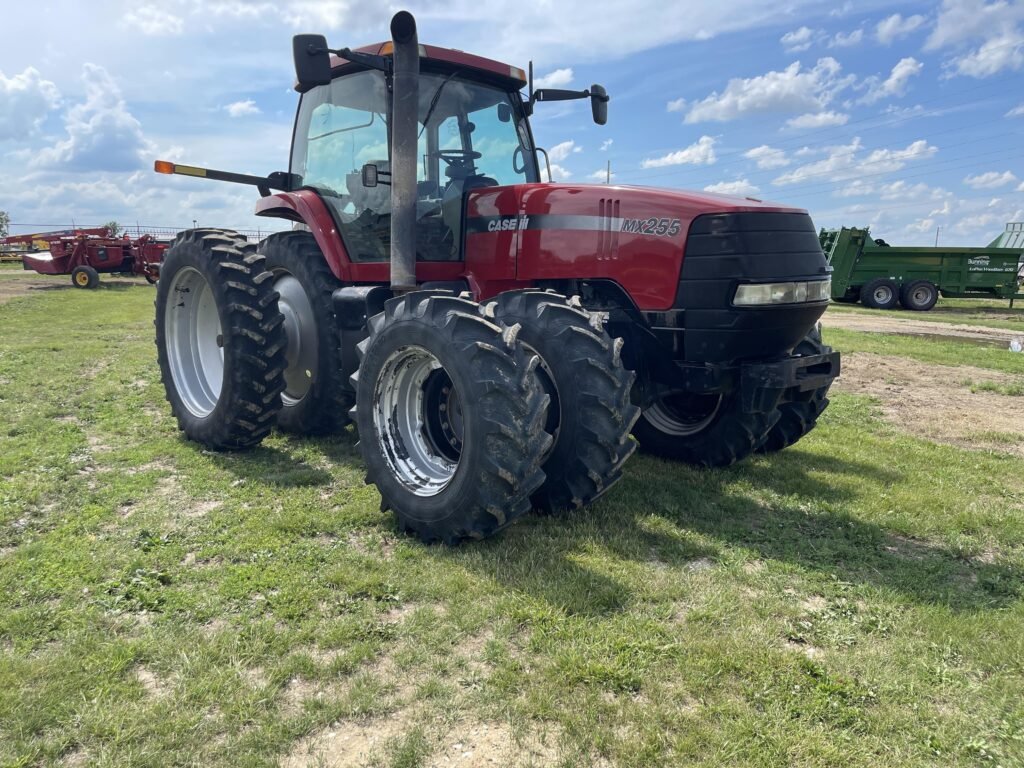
[[705, 430], [450, 418], [590, 415], [797, 418], [316, 397], [880, 293], [220, 339], [85, 277]]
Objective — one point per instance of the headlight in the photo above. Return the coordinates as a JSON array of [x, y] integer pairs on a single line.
[[756, 294]]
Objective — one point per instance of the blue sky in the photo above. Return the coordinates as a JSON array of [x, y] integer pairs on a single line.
[[907, 117]]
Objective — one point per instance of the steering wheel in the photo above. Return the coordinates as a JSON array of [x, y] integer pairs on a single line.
[[458, 158]]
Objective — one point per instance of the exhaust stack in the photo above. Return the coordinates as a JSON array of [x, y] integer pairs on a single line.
[[404, 121]]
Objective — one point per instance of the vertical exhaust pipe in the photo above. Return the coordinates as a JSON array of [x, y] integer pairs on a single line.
[[405, 102]]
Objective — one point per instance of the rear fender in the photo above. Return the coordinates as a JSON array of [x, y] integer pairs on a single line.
[[305, 207]]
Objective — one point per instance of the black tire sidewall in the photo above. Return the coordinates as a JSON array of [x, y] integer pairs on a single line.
[[94, 277], [318, 411], [454, 498], [907, 293], [867, 294]]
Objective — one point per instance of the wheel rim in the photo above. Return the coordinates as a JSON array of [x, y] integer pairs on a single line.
[[300, 330], [82, 279], [682, 414], [194, 345], [921, 295], [883, 294], [417, 415]]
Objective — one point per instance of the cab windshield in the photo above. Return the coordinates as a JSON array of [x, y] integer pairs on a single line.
[[470, 133]]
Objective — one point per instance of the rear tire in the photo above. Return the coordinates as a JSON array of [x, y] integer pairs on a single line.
[[919, 295], [316, 398], [85, 277], [797, 418], [880, 293], [450, 418], [706, 430], [220, 339], [590, 415]]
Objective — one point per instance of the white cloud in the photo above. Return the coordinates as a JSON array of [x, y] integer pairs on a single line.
[[895, 84], [154, 21], [25, 100], [676, 105], [559, 78], [990, 180], [558, 173], [767, 157], [1021, 187], [700, 153], [1017, 111], [995, 55], [818, 120], [894, 27], [740, 188], [846, 162], [791, 90], [101, 133], [242, 108], [840, 40], [560, 152], [601, 175], [797, 40], [606, 144], [993, 27]]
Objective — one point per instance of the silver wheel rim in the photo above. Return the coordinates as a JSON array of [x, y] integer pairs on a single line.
[[671, 419], [194, 342], [883, 294], [410, 431], [300, 331], [921, 295]]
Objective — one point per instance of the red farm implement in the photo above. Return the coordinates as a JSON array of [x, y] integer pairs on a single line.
[[85, 253]]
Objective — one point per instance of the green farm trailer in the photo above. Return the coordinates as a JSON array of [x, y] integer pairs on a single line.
[[880, 276]]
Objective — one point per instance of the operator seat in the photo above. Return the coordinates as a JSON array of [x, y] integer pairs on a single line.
[[453, 202]]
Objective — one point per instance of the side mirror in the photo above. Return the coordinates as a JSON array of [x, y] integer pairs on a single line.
[[504, 112], [312, 60], [370, 176], [599, 104]]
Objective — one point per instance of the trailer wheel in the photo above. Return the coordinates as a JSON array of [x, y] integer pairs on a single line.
[[797, 418], [706, 430], [590, 415], [220, 339], [316, 397], [450, 417], [879, 293], [919, 295], [85, 277]]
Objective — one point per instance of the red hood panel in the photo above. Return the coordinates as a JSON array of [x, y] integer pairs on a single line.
[[635, 236]]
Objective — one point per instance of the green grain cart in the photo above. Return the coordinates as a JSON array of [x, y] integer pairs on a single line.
[[879, 276]]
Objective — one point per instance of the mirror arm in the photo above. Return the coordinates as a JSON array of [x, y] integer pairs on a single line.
[[369, 60]]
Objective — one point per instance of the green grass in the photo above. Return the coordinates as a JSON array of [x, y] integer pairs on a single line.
[[947, 351], [1010, 390], [855, 600], [988, 313]]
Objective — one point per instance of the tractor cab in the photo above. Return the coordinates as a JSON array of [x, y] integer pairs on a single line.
[[472, 132]]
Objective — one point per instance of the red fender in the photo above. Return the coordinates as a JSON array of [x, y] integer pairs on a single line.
[[306, 207]]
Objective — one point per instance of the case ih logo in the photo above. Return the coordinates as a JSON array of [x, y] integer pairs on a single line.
[[502, 225]]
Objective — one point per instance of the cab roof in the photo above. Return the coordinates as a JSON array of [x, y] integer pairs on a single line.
[[451, 56]]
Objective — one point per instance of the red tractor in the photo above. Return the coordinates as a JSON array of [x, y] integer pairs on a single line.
[[495, 339]]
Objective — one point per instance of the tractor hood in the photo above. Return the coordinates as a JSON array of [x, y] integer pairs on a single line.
[[635, 236]]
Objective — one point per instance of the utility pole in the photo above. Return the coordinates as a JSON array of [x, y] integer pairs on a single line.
[[608, 173], [937, 236]]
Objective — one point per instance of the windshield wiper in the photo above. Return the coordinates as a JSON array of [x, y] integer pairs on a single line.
[[435, 98]]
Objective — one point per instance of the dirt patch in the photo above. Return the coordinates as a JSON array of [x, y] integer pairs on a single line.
[[475, 744], [154, 685], [887, 322], [935, 401]]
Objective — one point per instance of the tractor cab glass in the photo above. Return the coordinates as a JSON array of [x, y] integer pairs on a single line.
[[471, 135]]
